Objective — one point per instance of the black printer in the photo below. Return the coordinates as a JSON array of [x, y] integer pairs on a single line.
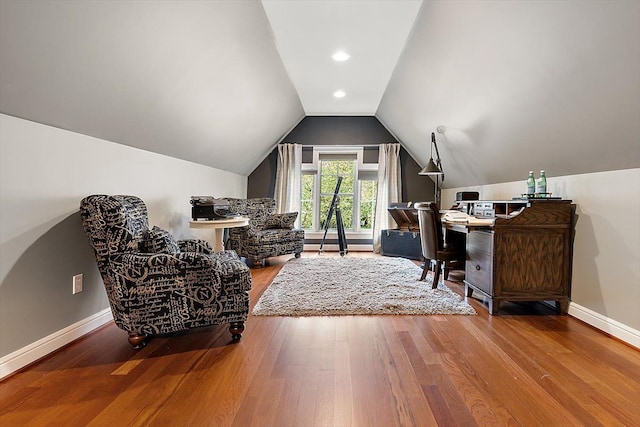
[[208, 208]]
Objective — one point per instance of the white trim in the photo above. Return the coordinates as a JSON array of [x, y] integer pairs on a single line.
[[333, 247], [44, 346], [314, 169], [319, 150], [41, 348], [621, 331]]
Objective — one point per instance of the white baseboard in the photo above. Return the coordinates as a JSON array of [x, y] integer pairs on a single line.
[[34, 351], [29, 354], [622, 332]]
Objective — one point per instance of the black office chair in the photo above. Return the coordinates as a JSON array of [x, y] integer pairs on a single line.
[[434, 247]]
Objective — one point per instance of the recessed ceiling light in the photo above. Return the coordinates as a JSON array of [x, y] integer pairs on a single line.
[[340, 56], [339, 94]]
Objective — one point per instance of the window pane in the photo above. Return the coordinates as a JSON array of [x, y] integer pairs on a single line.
[[306, 201], [330, 170], [346, 209], [328, 184], [328, 167], [306, 217], [347, 183], [368, 193], [307, 187]]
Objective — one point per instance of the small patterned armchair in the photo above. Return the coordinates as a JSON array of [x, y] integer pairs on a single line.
[[268, 234], [156, 285]]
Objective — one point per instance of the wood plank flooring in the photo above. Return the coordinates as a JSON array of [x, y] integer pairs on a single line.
[[526, 367]]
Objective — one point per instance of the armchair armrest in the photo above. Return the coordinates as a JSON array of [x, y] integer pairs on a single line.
[[142, 279], [153, 293], [138, 276]]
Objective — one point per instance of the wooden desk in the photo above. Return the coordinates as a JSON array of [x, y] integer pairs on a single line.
[[218, 226], [526, 256]]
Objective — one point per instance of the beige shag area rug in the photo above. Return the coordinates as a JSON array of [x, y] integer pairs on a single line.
[[349, 285]]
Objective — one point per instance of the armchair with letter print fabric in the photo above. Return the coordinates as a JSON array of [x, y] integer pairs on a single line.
[[268, 234], [156, 285]]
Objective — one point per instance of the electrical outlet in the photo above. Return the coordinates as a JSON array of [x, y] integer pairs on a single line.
[[77, 283]]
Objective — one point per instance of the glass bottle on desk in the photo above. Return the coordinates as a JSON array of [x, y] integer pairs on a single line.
[[541, 185], [531, 184]]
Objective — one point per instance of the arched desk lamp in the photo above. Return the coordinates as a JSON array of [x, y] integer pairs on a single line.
[[434, 168]]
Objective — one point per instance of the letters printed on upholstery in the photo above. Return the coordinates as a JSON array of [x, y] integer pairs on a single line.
[[162, 286], [268, 234]]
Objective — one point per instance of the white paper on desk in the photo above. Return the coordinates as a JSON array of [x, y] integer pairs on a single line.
[[455, 216], [480, 221]]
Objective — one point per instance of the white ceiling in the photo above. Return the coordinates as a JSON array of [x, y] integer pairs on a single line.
[[519, 85], [373, 33]]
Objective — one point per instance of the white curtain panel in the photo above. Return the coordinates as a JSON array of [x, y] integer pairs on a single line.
[[389, 189], [288, 179]]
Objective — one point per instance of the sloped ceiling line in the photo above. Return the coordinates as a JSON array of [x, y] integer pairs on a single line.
[[519, 85]]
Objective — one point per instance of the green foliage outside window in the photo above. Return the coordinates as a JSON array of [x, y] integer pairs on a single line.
[[368, 193], [328, 175], [306, 202], [330, 170]]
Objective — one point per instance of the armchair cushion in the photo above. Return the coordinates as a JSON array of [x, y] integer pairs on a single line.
[[158, 241], [284, 220]]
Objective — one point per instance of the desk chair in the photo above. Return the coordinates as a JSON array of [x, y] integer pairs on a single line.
[[434, 247]]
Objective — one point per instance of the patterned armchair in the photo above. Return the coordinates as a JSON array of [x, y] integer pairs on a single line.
[[267, 234], [156, 285]]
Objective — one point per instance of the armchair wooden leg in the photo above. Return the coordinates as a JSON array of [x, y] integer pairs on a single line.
[[236, 329], [137, 340]]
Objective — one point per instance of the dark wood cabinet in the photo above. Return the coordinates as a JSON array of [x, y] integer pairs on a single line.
[[526, 256]]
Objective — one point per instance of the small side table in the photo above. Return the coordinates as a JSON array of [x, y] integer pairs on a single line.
[[218, 226]]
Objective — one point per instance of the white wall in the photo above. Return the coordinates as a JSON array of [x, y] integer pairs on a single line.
[[606, 259], [44, 174]]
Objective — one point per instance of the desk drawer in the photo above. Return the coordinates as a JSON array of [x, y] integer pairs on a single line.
[[478, 271], [480, 241], [479, 265]]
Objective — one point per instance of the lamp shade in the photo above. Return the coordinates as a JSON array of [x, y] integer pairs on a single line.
[[431, 169]]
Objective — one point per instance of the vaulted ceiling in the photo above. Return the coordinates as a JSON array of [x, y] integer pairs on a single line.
[[516, 85]]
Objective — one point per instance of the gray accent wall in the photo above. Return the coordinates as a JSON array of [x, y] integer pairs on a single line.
[[342, 130]]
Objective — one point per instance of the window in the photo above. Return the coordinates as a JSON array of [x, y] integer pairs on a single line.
[[357, 192], [306, 201], [368, 192], [330, 170]]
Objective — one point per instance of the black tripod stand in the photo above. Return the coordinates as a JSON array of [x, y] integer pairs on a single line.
[[335, 207]]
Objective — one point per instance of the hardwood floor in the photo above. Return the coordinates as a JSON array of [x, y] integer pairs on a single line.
[[525, 367]]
